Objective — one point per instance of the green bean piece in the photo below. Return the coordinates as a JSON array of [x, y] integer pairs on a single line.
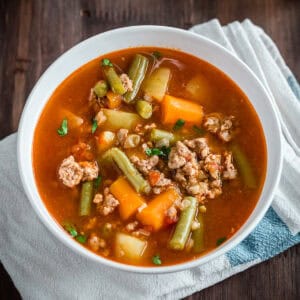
[[114, 80], [144, 109], [100, 89], [158, 134], [81, 238], [183, 227], [122, 161], [86, 198], [136, 73], [244, 166], [198, 235], [70, 228]]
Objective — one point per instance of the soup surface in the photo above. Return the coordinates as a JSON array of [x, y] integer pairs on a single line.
[[149, 156]]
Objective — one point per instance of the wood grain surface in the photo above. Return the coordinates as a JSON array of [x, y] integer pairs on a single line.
[[33, 33]]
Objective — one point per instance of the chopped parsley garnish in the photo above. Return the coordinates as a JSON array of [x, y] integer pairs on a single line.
[[179, 123], [94, 126], [153, 151], [71, 229], [156, 259], [157, 54], [63, 130], [163, 152], [166, 151], [97, 182], [106, 62], [221, 240], [80, 238], [198, 130]]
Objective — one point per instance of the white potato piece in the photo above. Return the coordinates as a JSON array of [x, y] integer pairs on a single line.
[[157, 83], [199, 88], [74, 121], [130, 247], [116, 119]]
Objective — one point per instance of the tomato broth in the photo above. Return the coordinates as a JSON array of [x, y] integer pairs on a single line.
[[224, 178]]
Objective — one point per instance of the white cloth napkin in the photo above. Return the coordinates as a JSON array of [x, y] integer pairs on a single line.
[[43, 268]]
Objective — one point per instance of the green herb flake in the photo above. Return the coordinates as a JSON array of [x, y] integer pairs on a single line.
[[97, 182], [105, 62], [163, 152], [179, 124], [156, 259], [198, 130], [157, 54], [70, 229], [148, 151], [153, 151], [63, 130], [220, 241], [94, 126], [81, 239]]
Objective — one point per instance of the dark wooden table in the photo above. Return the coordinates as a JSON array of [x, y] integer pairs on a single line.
[[34, 33]]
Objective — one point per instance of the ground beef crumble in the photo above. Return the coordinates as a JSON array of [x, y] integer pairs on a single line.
[[197, 170], [95, 242], [122, 135], [220, 125], [229, 171], [126, 81], [108, 203], [132, 226], [90, 170], [71, 173], [191, 167], [171, 215], [145, 165], [162, 184], [100, 118]]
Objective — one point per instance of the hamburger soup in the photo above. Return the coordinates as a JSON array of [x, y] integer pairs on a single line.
[[149, 156]]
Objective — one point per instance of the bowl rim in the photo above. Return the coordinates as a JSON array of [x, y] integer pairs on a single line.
[[68, 241]]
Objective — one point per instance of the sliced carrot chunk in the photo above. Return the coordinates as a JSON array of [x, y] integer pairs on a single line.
[[174, 108], [129, 199], [154, 214]]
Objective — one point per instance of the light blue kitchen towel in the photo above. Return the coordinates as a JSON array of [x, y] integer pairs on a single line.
[[41, 267]]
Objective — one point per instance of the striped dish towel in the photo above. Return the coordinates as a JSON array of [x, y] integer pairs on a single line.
[[42, 268]]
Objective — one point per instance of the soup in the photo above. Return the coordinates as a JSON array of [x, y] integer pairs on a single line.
[[149, 156]]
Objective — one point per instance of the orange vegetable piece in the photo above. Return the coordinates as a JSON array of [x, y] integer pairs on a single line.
[[154, 214], [129, 199], [81, 152], [105, 140], [113, 100], [153, 177], [174, 108]]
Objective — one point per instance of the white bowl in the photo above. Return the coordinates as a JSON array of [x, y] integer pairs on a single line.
[[162, 37]]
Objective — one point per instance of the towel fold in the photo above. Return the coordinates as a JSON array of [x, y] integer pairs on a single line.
[[41, 267]]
